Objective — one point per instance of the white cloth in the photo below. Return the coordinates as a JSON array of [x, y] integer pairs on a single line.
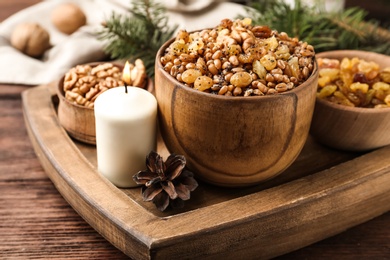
[[83, 45]]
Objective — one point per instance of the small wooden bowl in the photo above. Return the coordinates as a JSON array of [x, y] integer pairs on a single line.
[[77, 120], [233, 141], [351, 128]]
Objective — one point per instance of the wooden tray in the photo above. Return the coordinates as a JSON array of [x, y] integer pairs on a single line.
[[323, 193]]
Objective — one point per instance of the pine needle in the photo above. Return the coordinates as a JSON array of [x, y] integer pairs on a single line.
[[141, 32], [137, 35], [347, 29]]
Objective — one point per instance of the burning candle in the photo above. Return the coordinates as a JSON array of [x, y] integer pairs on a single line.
[[125, 121]]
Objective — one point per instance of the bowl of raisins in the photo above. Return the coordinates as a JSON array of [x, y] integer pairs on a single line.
[[352, 110], [236, 100]]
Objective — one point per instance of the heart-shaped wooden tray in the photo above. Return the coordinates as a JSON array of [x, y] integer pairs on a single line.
[[324, 192]]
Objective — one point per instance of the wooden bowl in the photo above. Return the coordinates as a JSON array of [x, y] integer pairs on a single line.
[[77, 120], [233, 141], [351, 128]]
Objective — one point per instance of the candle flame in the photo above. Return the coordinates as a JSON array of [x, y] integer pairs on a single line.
[[126, 74]]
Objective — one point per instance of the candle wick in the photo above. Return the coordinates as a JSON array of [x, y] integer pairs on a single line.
[[125, 87]]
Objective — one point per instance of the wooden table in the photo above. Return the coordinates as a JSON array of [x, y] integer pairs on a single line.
[[36, 222]]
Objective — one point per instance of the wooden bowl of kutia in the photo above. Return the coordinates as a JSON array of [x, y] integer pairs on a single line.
[[352, 110], [78, 89], [236, 100]]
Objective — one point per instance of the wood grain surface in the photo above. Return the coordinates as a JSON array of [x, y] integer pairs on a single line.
[[36, 222], [321, 194]]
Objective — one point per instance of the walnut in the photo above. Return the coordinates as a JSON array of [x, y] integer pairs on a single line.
[[83, 83], [68, 18], [138, 74], [31, 39]]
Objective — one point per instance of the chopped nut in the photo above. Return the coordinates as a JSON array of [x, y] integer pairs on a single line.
[[91, 93], [101, 67], [237, 47], [138, 74]]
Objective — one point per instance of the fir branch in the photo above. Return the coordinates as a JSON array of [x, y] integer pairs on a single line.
[[350, 21], [347, 29], [138, 34]]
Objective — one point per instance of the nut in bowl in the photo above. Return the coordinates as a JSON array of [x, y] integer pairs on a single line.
[[355, 114], [81, 85], [252, 131]]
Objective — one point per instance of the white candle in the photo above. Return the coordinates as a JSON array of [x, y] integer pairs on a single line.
[[125, 132]]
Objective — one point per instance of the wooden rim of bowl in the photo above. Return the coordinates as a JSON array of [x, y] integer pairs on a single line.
[[340, 107], [298, 88]]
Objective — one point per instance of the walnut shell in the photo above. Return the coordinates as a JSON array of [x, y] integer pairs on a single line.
[[68, 18], [31, 39]]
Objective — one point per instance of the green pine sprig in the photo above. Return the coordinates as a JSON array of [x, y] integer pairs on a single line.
[[347, 29], [138, 34]]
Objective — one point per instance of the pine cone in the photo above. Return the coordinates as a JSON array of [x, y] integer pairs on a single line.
[[166, 183]]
